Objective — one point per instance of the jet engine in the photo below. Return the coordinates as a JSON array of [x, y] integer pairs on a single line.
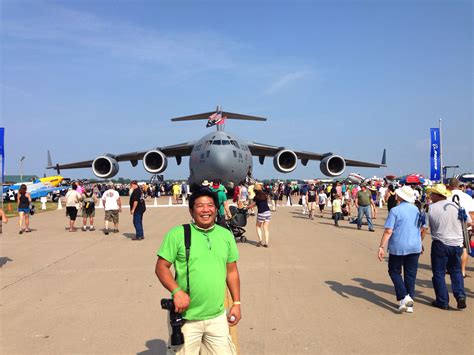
[[332, 165], [155, 161], [105, 166], [285, 161]]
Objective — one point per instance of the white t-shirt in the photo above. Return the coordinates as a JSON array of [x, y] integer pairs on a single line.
[[322, 197], [465, 200], [444, 223], [382, 191], [110, 199], [243, 194]]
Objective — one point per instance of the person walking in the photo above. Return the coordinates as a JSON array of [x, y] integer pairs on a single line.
[[89, 200], [23, 200], [137, 209], [363, 204], [403, 229], [467, 203], [73, 204], [198, 291], [390, 197], [263, 215], [311, 197], [446, 247], [337, 210], [112, 207]]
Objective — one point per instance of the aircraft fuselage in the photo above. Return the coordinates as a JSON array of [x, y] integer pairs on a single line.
[[220, 155]]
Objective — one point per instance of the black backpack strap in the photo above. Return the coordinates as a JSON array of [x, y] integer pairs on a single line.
[[187, 245]]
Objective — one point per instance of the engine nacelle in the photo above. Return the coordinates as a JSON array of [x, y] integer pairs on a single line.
[[105, 167], [332, 165], [155, 161], [285, 161]]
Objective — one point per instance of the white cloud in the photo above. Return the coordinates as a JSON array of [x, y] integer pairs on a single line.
[[286, 80]]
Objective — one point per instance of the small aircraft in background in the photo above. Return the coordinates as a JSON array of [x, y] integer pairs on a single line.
[[218, 154], [38, 188]]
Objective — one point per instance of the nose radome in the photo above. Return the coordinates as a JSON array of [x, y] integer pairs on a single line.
[[221, 161]]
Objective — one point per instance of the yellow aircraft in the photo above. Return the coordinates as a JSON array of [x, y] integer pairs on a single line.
[[53, 181]]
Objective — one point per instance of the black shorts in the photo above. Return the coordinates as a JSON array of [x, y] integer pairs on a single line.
[[71, 212], [321, 207]]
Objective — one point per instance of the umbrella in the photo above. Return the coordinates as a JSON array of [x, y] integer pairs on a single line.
[[413, 179]]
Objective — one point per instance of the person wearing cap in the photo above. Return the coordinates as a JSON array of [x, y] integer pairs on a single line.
[[446, 247], [222, 207], [467, 203], [403, 235], [112, 207], [363, 203], [137, 209], [263, 215], [212, 265]]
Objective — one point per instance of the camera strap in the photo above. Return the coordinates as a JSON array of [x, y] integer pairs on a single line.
[[187, 245]]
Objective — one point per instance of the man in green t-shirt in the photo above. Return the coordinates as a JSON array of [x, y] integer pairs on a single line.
[[363, 203], [212, 264]]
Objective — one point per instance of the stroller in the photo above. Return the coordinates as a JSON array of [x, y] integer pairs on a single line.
[[237, 222]]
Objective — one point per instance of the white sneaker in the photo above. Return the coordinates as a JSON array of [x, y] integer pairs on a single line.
[[408, 301], [405, 303], [409, 310]]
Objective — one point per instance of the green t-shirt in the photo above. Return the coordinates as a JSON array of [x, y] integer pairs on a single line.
[[363, 197], [209, 255], [221, 198]]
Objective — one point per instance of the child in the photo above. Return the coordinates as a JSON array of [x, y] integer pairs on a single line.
[[337, 210]]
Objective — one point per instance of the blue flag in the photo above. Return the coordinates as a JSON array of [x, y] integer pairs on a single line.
[[435, 157]]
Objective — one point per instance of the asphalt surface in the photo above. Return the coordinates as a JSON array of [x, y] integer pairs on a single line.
[[317, 289]]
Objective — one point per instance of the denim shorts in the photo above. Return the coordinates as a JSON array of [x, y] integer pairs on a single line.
[[26, 210]]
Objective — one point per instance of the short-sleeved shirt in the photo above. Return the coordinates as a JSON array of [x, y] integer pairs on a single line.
[[322, 198], [110, 198], [73, 198], [221, 198], [405, 222], [363, 197], [336, 206], [137, 195], [210, 252], [243, 193], [465, 200], [444, 223], [262, 205]]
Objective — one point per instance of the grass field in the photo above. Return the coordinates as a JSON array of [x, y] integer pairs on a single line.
[[10, 208]]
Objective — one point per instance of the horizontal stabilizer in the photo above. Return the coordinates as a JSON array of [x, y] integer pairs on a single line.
[[228, 115]]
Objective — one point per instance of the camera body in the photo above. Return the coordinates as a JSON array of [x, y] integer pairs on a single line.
[[176, 321]]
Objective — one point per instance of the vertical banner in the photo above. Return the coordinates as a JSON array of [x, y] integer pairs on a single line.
[[2, 151], [435, 157]]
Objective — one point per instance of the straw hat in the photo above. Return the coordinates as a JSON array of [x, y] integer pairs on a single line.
[[406, 193], [258, 186], [439, 189], [205, 183]]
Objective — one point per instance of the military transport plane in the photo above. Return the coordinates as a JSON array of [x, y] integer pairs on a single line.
[[216, 155]]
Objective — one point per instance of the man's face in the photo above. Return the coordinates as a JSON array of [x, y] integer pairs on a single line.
[[204, 212]]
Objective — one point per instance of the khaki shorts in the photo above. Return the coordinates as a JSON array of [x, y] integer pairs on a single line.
[[209, 336], [112, 216], [311, 206]]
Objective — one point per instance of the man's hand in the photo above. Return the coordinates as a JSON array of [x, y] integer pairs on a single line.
[[234, 312], [181, 301], [381, 254]]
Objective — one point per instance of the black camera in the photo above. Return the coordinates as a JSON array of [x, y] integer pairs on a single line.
[[176, 322]]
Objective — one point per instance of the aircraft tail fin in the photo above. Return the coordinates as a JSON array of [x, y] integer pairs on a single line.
[[50, 164], [384, 157]]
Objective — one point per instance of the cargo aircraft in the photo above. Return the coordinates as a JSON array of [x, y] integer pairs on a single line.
[[219, 154]]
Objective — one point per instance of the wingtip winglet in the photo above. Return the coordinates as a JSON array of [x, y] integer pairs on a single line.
[[384, 157]]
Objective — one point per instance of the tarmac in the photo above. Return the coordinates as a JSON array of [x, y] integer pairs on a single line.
[[317, 289]]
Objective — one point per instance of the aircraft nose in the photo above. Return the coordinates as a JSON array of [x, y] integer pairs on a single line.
[[220, 161]]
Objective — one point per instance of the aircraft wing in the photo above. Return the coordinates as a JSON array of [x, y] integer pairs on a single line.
[[264, 150], [176, 150]]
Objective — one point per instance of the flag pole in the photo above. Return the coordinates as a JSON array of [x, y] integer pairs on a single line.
[[441, 153]]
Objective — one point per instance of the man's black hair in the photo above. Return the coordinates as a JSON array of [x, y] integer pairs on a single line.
[[201, 193]]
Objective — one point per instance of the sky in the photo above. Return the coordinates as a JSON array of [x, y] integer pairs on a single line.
[[83, 78]]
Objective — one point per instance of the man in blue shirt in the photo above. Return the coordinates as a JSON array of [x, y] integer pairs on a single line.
[[403, 234]]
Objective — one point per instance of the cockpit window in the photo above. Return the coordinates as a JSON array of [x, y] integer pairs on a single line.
[[216, 142], [234, 143], [225, 142]]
